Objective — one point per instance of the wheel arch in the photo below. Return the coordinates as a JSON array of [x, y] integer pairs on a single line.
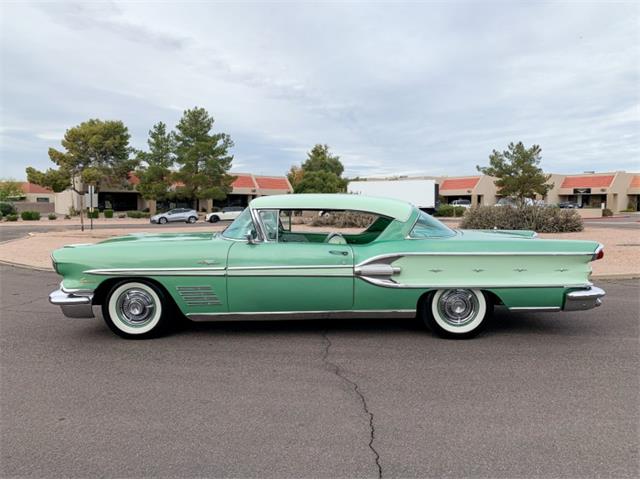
[[101, 292]]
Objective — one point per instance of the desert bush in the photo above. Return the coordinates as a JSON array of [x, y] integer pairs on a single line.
[[27, 215], [52, 216], [536, 218], [12, 217], [343, 220], [607, 213], [446, 210], [138, 214], [67, 217], [73, 212], [108, 213], [122, 215], [7, 208]]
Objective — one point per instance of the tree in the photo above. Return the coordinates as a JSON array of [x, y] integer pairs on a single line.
[[320, 173], [10, 188], [96, 152], [203, 157], [155, 173], [517, 171]]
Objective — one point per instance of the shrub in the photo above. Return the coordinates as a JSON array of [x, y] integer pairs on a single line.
[[95, 214], [67, 217], [52, 216], [12, 217], [7, 208], [138, 214], [27, 215], [73, 212], [108, 213], [445, 210], [343, 220], [536, 218], [122, 215], [631, 207], [607, 213], [628, 210]]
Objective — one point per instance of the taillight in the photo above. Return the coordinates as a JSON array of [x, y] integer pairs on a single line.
[[599, 253]]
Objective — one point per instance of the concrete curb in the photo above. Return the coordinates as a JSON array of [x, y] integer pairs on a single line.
[[617, 276], [25, 266]]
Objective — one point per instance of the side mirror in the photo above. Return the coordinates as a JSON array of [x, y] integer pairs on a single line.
[[250, 239]]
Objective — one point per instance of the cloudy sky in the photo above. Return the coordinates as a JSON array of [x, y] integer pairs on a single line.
[[393, 88]]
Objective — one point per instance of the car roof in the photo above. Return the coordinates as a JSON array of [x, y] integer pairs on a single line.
[[336, 201]]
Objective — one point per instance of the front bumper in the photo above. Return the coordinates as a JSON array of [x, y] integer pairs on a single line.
[[583, 299], [73, 305]]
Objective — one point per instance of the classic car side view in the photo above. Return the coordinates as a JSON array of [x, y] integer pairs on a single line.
[[267, 264]]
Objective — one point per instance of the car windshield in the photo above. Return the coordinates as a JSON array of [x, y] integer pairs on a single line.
[[241, 227], [426, 226]]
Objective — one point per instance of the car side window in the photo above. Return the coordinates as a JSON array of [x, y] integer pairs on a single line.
[[269, 219], [241, 227], [427, 227]]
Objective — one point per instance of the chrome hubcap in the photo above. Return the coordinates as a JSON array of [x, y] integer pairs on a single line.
[[458, 307], [135, 307]]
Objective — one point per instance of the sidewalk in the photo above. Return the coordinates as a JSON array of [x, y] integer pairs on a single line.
[[622, 246]]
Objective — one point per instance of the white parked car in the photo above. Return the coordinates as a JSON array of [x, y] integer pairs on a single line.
[[461, 202], [227, 213]]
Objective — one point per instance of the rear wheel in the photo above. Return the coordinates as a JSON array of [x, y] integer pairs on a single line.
[[456, 312], [214, 219], [192, 219], [135, 310]]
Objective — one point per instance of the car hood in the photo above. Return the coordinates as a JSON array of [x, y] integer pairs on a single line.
[[161, 237]]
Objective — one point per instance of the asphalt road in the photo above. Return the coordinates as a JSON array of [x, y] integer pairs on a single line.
[[537, 395]]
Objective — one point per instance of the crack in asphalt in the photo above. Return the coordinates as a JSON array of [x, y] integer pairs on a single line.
[[336, 370]]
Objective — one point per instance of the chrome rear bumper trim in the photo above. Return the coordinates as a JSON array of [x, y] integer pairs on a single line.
[[583, 299], [73, 305]]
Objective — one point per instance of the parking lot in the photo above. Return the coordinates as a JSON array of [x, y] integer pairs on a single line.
[[538, 395]]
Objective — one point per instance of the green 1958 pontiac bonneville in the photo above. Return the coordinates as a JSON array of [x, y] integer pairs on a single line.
[[267, 265]]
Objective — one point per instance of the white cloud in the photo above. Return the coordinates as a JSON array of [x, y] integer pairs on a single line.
[[393, 88]]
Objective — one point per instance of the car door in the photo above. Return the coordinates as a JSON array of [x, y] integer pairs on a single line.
[[274, 276]]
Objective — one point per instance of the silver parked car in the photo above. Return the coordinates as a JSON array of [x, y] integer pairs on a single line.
[[187, 215]]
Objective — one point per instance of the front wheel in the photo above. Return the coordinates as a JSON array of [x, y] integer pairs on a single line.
[[162, 221], [456, 312], [135, 310]]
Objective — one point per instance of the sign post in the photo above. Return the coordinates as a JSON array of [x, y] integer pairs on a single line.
[[91, 192]]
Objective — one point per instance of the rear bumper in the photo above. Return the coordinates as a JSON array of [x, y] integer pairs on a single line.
[[73, 305], [583, 299]]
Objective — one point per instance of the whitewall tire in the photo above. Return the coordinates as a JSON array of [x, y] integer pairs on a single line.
[[135, 310], [457, 312]]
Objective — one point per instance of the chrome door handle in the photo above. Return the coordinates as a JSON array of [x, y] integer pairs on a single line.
[[339, 252], [207, 262]]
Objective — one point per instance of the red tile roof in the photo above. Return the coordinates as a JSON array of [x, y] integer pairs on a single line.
[[273, 183], [133, 179], [243, 181], [28, 187], [592, 181], [468, 183], [635, 182]]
